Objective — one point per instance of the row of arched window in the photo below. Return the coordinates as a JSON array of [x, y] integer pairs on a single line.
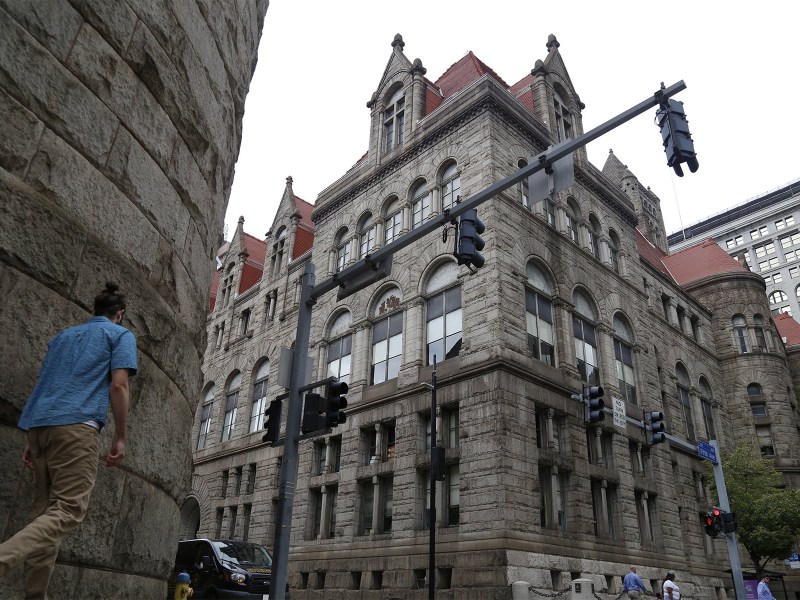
[[398, 215], [749, 338]]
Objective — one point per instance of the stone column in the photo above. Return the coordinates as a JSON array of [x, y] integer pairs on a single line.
[[646, 517], [325, 514], [121, 126], [376, 503]]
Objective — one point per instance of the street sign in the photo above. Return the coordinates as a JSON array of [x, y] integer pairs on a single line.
[[619, 412], [706, 451]]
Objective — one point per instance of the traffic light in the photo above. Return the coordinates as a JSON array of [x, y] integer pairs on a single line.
[[469, 243], [678, 144], [729, 522], [272, 422], [708, 522], [334, 403], [593, 397], [312, 414], [655, 427]]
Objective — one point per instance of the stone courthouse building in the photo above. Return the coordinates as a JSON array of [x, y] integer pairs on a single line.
[[576, 289]]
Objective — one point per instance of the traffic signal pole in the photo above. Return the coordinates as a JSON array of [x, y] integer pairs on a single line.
[[370, 269], [730, 538]]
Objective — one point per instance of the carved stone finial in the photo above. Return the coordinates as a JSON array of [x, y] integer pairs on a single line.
[[611, 151], [398, 41], [417, 68], [372, 100], [289, 181], [538, 68], [552, 42], [241, 220]]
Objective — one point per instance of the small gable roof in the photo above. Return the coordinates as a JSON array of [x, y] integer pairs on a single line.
[[463, 72], [788, 329]]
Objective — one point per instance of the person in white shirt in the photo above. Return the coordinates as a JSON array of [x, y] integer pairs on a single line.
[[670, 589]]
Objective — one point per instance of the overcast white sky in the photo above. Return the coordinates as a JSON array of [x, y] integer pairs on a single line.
[[320, 61]]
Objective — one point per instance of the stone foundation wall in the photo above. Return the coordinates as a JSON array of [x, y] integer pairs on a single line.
[[121, 126]]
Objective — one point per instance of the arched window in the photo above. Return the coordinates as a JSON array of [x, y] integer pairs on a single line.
[[342, 249], [451, 186], [613, 249], [394, 120], [205, 418], [778, 296], [585, 335], [572, 220], [754, 390], [707, 402], [685, 400], [340, 348], [278, 249], [387, 337], [539, 315], [758, 330], [231, 400], [742, 340], [623, 355], [523, 186], [797, 291], [420, 204], [393, 222], [594, 236], [259, 397], [366, 235], [443, 314]]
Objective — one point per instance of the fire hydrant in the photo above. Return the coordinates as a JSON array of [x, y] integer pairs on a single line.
[[182, 590]]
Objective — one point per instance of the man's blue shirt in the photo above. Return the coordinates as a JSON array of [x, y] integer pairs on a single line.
[[632, 581], [764, 592], [75, 377]]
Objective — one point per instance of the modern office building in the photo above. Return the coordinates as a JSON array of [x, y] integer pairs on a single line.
[[765, 233], [577, 289]]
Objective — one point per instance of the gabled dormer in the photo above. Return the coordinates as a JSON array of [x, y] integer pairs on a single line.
[[291, 235], [554, 98], [396, 106]]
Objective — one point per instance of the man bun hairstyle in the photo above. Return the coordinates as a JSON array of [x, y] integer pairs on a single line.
[[109, 301]]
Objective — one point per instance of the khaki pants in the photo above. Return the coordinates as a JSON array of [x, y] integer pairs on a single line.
[[65, 462], [634, 594]]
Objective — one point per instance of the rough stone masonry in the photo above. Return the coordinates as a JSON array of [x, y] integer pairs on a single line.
[[120, 126]]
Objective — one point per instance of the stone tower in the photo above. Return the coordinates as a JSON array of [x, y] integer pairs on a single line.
[[121, 126]]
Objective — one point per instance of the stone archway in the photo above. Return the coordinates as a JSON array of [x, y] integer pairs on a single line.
[[190, 518]]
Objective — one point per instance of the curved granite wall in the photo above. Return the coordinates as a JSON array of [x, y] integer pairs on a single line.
[[120, 128]]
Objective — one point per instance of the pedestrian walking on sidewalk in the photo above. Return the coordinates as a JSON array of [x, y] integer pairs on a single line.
[[633, 584]]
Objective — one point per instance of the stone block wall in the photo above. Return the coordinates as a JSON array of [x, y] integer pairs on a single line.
[[121, 127]]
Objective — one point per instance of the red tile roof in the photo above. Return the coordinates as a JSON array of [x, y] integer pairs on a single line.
[[650, 253], [303, 240], [460, 74], [701, 260], [788, 328]]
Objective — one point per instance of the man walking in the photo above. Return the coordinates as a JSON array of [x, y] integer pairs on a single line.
[[764, 593], [633, 584], [85, 368]]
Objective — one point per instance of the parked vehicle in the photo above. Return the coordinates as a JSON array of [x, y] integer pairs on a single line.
[[224, 569]]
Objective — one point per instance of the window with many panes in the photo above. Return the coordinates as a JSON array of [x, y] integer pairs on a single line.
[[447, 431], [585, 337], [452, 501], [387, 337], [205, 418], [758, 330], [259, 398], [785, 222], [342, 249], [769, 264], [231, 400], [707, 403], [765, 249], [366, 235], [740, 336], [613, 250], [572, 224], [443, 314], [340, 349], [451, 186], [683, 386], [757, 233], [420, 204], [790, 240], [549, 209], [539, 315], [623, 358], [393, 221], [394, 120], [386, 488], [244, 321], [278, 249], [594, 236]]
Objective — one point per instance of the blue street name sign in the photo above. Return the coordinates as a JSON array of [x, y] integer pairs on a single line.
[[706, 450]]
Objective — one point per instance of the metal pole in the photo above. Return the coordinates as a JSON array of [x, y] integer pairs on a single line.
[[432, 518], [730, 538], [288, 483]]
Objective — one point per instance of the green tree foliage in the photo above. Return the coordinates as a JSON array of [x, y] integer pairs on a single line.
[[767, 513]]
